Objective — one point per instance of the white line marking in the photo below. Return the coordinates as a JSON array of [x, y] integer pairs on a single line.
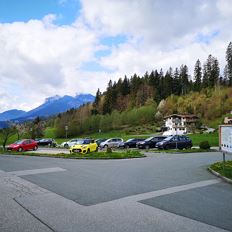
[[36, 171], [162, 192]]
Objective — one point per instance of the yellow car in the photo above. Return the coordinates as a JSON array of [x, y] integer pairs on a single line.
[[84, 146]]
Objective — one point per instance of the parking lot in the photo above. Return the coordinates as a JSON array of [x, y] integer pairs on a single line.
[[172, 192]]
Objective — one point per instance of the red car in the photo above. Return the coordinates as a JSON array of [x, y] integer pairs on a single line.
[[23, 145]]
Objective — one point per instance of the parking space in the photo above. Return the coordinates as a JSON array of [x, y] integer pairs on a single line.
[[211, 204]]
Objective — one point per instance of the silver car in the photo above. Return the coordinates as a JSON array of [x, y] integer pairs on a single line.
[[69, 143], [113, 142]]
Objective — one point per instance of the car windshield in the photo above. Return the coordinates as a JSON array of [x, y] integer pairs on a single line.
[[148, 139], [168, 138], [80, 142], [19, 142]]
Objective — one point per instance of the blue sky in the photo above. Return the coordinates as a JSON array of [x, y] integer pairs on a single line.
[[67, 47], [24, 10]]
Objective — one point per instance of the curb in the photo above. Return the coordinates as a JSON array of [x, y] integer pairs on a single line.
[[220, 176]]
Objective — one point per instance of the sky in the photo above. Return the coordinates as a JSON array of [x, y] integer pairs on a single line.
[[68, 47]]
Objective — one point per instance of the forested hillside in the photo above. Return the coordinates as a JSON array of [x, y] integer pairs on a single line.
[[140, 100]]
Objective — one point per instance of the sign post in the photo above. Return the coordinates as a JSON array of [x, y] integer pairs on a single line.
[[66, 131], [225, 141]]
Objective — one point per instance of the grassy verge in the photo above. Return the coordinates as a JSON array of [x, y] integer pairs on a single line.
[[94, 155], [193, 150], [212, 138], [218, 167]]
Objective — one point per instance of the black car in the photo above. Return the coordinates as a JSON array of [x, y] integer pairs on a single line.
[[46, 142], [150, 142], [130, 143], [175, 142]]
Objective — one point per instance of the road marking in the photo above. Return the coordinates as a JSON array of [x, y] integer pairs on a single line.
[[162, 192], [37, 171]]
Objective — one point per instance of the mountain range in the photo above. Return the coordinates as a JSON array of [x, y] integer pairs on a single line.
[[51, 106]]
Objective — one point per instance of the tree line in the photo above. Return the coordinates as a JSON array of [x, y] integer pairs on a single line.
[[127, 93]]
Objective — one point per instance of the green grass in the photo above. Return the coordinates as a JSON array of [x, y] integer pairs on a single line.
[[50, 132], [218, 167], [212, 138], [94, 155]]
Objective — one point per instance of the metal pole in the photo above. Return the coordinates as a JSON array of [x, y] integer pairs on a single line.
[[224, 162]]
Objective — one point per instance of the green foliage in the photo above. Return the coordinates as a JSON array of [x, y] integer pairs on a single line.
[[223, 170], [204, 145], [212, 138], [50, 132], [109, 150], [114, 121]]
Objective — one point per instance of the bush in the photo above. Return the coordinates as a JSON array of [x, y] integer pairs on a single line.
[[204, 145], [109, 150]]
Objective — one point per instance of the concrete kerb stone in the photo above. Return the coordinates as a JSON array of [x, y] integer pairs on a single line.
[[219, 175]]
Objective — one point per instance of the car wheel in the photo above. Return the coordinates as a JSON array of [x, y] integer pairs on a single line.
[[35, 148], [88, 151], [167, 147], [65, 145], [20, 149], [106, 146], [96, 149], [127, 146]]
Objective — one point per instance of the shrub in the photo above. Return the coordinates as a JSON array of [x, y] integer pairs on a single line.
[[204, 145], [109, 150]]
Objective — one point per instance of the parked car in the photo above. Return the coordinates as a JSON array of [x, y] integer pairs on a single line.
[[150, 142], [113, 142], [69, 143], [175, 142], [130, 143], [99, 141], [46, 142], [23, 145], [84, 146]]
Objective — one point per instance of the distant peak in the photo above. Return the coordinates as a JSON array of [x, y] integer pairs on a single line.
[[51, 99]]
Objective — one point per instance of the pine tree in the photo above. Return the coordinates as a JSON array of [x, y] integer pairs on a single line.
[[211, 72], [184, 79], [229, 63], [96, 102], [197, 76], [125, 90], [168, 81], [108, 101], [176, 87], [205, 81]]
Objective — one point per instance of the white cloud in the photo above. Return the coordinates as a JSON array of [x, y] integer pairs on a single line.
[[36, 56], [161, 33], [41, 59]]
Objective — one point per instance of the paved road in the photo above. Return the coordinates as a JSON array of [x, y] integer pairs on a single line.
[[172, 192]]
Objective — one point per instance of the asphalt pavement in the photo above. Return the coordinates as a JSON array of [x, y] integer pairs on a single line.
[[163, 192]]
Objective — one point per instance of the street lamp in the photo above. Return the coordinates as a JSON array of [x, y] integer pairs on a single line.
[[66, 131]]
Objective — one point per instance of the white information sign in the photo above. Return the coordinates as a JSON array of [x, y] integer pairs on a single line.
[[225, 138]]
